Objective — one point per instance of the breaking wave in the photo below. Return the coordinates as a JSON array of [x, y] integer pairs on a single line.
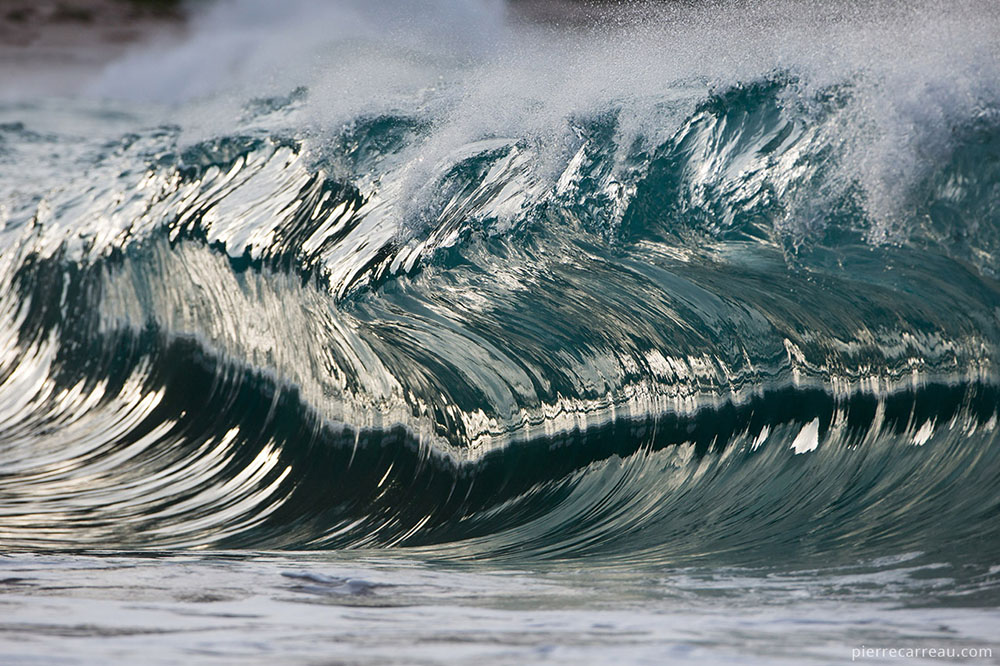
[[480, 312]]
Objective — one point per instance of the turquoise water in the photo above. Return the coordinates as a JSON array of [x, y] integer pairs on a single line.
[[425, 333]]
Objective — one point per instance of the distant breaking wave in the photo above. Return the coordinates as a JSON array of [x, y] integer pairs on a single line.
[[678, 317]]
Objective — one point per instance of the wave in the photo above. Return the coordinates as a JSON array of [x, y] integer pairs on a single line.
[[734, 324], [187, 451]]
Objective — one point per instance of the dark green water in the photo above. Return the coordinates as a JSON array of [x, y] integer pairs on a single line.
[[680, 346]]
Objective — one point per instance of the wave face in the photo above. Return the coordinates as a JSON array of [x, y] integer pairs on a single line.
[[657, 301]]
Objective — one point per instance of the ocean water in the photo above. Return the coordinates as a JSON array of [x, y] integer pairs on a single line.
[[426, 332]]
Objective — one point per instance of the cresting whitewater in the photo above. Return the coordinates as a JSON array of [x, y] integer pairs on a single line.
[[687, 293]]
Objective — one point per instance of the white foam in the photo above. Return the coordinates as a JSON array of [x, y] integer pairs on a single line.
[[924, 434], [464, 65], [761, 438], [808, 438]]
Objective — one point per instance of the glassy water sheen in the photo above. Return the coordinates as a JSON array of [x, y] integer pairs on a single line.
[[417, 332]]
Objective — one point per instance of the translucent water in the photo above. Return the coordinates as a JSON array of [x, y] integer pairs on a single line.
[[423, 332]]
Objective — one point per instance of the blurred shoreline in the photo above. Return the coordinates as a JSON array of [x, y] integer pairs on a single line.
[[60, 46], [48, 45]]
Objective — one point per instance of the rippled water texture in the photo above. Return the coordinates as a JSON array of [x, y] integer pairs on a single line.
[[689, 311]]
